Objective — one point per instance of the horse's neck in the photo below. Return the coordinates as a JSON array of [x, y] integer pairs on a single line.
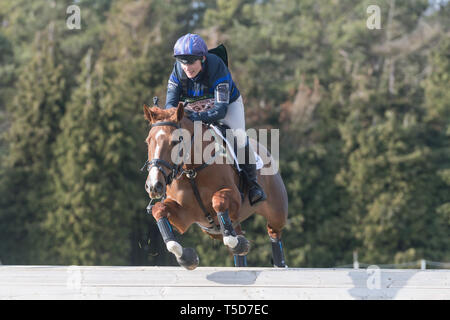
[[194, 161]]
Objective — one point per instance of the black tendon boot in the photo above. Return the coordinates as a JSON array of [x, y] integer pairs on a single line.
[[255, 192]]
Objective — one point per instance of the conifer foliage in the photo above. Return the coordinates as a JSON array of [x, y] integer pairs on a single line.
[[364, 119]]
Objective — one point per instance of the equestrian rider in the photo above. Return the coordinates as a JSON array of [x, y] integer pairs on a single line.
[[198, 73]]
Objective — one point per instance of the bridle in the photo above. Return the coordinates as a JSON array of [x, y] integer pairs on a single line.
[[176, 172], [160, 163]]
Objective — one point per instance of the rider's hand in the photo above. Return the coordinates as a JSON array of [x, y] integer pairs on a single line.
[[194, 116]]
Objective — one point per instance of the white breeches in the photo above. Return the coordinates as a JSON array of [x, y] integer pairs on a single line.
[[235, 119]]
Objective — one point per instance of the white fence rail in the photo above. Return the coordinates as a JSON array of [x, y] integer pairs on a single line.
[[80, 282]]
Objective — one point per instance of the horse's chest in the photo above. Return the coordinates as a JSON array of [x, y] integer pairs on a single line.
[[185, 196]]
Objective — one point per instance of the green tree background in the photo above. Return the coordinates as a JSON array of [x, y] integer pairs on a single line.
[[368, 112]]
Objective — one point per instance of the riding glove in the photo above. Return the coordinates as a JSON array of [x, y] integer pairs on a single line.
[[195, 116]]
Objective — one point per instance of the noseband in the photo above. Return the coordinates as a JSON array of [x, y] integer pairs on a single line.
[[160, 163]]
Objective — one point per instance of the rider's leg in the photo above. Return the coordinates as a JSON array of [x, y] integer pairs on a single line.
[[255, 192], [235, 119]]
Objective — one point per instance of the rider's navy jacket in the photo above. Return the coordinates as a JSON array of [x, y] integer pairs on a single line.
[[214, 74]]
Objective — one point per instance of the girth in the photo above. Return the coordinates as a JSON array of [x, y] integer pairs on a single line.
[[191, 174]]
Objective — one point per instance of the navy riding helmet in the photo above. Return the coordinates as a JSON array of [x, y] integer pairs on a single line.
[[190, 47]]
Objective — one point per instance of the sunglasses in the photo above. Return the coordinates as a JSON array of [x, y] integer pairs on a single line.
[[188, 60]]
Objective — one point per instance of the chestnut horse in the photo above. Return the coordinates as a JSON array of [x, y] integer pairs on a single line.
[[205, 194]]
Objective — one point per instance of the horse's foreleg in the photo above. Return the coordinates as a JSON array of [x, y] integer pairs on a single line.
[[167, 214], [226, 204], [240, 260]]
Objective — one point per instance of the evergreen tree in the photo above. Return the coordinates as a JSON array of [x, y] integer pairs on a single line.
[[391, 179], [437, 103], [7, 79], [146, 48], [91, 224], [363, 118], [25, 186]]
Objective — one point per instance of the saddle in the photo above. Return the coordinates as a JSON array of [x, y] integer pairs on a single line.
[[219, 133], [220, 129]]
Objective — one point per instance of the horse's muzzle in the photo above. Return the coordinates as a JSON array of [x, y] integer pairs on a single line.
[[156, 190]]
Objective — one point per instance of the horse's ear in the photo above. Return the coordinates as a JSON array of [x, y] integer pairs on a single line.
[[148, 114], [180, 111]]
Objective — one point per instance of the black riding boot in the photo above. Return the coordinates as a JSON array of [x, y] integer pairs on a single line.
[[255, 192]]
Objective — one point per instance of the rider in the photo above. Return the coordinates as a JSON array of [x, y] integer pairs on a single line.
[[198, 73]]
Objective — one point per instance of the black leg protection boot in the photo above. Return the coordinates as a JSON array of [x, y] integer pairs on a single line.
[[277, 253], [255, 192]]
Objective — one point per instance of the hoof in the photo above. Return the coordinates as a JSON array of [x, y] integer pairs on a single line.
[[243, 246], [279, 266], [189, 259]]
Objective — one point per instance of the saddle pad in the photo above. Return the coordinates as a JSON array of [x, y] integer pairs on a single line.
[[259, 161]]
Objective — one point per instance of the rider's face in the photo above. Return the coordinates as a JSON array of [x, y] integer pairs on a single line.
[[192, 70]]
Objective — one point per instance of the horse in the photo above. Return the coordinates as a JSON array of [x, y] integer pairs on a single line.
[[207, 194]]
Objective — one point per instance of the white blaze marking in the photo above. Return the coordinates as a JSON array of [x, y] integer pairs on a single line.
[[154, 170], [160, 133], [153, 176]]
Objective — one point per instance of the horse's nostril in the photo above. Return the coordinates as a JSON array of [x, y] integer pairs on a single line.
[[158, 187]]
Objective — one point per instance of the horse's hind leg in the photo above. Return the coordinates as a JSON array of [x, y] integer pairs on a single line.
[[276, 216], [240, 261], [277, 247], [226, 203]]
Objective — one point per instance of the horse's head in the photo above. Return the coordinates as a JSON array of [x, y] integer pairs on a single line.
[[160, 142]]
